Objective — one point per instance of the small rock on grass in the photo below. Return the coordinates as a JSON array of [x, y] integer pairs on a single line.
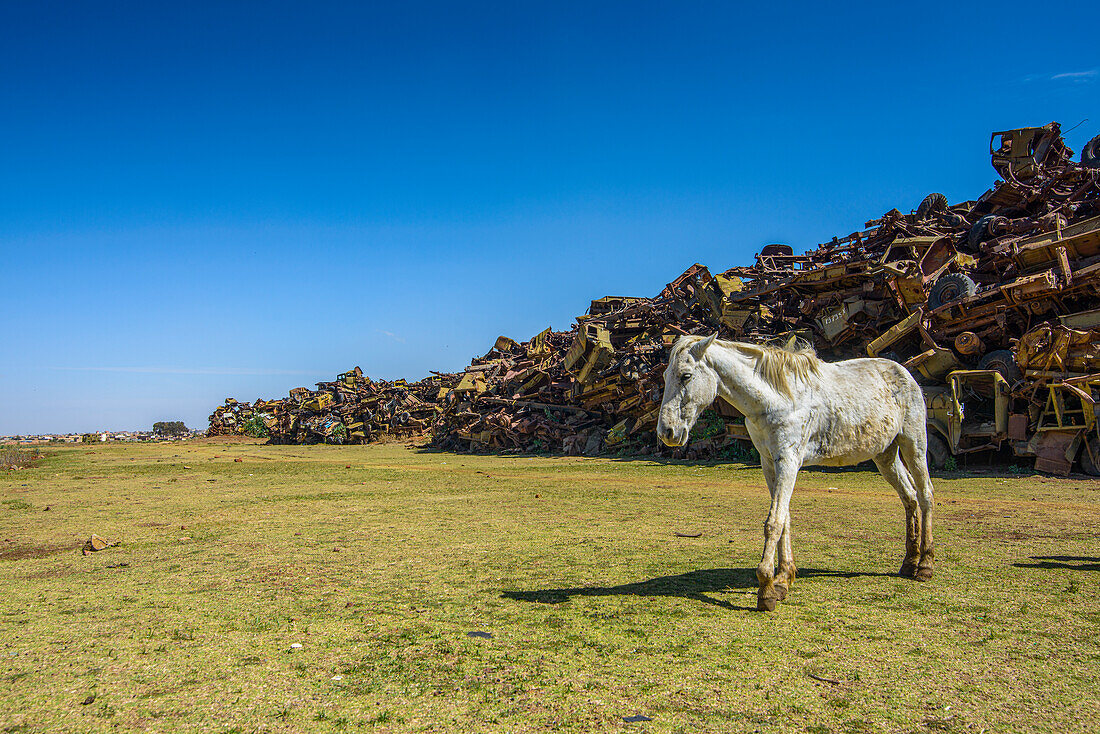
[[95, 543]]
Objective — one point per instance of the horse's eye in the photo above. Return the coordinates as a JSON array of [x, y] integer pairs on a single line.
[[685, 377]]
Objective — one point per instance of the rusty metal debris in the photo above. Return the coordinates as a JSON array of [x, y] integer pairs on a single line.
[[351, 409], [993, 304]]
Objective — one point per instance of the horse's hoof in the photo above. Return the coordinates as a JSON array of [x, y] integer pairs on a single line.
[[908, 570], [780, 592], [765, 603], [923, 573]]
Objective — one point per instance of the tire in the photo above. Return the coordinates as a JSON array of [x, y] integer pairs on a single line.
[[936, 202], [937, 452], [1088, 466], [983, 230], [950, 287], [1004, 362], [1090, 154]]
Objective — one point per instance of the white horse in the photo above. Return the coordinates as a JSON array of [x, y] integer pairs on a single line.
[[802, 411]]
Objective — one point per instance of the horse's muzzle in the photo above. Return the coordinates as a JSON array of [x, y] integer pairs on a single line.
[[669, 436]]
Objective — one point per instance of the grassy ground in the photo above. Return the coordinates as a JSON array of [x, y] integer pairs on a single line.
[[337, 589]]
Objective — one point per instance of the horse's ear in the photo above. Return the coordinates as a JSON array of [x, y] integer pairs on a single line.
[[700, 348]]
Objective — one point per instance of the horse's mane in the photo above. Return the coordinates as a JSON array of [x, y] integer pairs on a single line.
[[777, 364]]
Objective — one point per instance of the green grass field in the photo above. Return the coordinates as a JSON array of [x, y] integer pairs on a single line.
[[334, 588]]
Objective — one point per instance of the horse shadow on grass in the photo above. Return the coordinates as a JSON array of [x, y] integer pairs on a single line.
[[1072, 563], [693, 585]]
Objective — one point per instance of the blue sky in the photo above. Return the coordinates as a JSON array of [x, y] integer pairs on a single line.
[[233, 199]]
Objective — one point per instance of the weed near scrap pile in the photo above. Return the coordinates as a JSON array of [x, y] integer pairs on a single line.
[[336, 588]]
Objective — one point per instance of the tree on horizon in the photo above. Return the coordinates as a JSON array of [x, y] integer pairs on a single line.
[[170, 428]]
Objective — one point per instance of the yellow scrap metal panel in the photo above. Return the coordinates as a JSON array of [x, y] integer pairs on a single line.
[[471, 382], [1059, 348], [895, 332], [319, 402], [576, 350]]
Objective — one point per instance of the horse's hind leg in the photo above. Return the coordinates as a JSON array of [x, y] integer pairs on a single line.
[[913, 454], [894, 471], [787, 571]]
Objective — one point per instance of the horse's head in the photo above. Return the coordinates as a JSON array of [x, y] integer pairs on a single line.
[[690, 386]]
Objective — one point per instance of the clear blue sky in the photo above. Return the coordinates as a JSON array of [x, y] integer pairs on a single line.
[[233, 199]]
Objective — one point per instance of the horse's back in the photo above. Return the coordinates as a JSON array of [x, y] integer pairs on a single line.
[[864, 405], [883, 377]]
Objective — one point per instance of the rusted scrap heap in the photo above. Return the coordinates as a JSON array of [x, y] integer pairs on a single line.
[[232, 417], [351, 409], [994, 304], [594, 388]]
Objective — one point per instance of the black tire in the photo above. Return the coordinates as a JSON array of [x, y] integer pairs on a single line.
[[1090, 154], [951, 287], [974, 236], [1088, 466], [1004, 362], [984, 229], [937, 452], [936, 202]]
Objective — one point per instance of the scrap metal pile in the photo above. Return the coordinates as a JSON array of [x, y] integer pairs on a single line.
[[351, 409], [988, 302], [993, 304]]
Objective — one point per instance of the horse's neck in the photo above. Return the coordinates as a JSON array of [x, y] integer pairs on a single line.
[[738, 383]]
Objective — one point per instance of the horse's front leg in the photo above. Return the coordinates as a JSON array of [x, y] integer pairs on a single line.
[[781, 477], [785, 576]]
